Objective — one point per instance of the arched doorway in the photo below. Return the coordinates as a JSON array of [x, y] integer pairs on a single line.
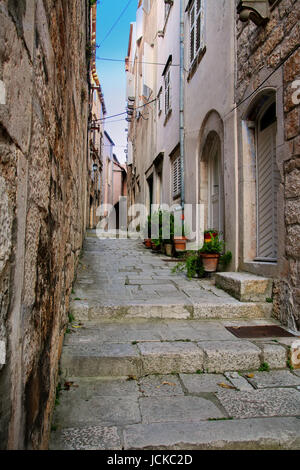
[[267, 183], [215, 193], [211, 183]]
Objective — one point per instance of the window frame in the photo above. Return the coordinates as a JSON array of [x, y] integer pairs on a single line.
[[167, 89], [176, 171], [159, 101], [196, 29]]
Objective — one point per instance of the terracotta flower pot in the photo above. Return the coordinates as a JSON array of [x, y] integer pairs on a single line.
[[169, 249], [147, 242], [155, 247], [180, 243], [210, 262]]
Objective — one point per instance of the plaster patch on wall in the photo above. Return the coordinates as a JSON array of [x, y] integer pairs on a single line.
[[2, 93], [2, 353]]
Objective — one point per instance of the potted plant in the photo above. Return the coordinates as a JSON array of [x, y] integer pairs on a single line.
[[192, 264], [180, 240], [210, 234], [168, 243], [210, 253]]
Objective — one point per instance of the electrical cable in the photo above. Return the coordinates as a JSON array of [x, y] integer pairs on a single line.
[[115, 23], [132, 61], [125, 112]]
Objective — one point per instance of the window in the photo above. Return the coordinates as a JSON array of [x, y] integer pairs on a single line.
[[167, 90], [159, 101], [196, 28], [176, 177]]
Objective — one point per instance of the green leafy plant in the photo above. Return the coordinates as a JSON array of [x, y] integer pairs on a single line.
[[192, 264], [225, 259], [269, 300], [215, 246], [289, 364], [264, 367], [71, 317]]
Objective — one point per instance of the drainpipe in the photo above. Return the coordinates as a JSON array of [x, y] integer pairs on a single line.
[[181, 105]]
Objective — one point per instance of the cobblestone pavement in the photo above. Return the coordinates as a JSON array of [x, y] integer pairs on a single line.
[[180, 411], [117, 277], [167, 381]]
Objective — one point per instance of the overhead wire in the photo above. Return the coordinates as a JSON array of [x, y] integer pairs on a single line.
[[110, 59], [114, 24], [125, 112]]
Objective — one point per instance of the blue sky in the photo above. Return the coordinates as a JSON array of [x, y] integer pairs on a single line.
[[112, 74]]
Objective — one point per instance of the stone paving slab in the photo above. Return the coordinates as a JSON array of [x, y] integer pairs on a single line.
[[250, 434], [168, 357], [146, 287], [86, 438], [160, 386], [85, 388], [220, 356], [103, 410], [202, 383], [239, 382], [258, 403], [272, 379], [196, 331], [107, 359], [185, 409]]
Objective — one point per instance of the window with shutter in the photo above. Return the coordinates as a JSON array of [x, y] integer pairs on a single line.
[[176, 178], [167, 91], [196, 28], [159, 103]]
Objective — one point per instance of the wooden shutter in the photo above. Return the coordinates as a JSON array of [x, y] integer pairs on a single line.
[[176, 177], [268, 179]]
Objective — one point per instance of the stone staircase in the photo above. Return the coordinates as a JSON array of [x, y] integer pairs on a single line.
[[148, 352]]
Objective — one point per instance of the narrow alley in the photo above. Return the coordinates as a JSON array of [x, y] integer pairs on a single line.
[[149, 225], [148, 362]]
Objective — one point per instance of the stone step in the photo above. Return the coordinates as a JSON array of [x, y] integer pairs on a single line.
[[178, 347], [231, 309], [245, 287]]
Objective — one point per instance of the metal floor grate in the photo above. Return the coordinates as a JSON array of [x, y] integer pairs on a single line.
[[261, 331]]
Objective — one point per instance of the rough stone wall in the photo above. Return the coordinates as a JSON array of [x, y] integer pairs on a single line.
[[43, 125], [276, 46]]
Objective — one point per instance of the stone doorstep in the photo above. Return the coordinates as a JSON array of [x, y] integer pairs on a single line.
[[119, 359], [245, 287]]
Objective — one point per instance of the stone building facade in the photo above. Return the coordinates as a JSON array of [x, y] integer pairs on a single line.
[[44, 56], [241, 127], [268, 66]]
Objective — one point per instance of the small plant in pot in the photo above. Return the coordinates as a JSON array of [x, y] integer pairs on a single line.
[[180, 240], [210, 254], [192, 265], [168, 243]]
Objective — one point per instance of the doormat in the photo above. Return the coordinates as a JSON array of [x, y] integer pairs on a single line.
[[261, 331]]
